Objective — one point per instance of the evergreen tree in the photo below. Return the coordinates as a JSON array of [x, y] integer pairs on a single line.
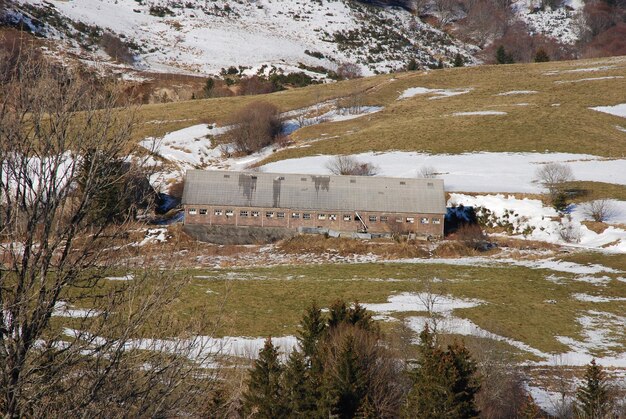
[[458, 60], [347, 389], [412, 65], [465, 385], [594, 401], [208, 87], [440, 64], [312, 329], [338, 313], [445, 383], [301, 401], [502, 57], [541, 56], [264, 396], [358, 316]]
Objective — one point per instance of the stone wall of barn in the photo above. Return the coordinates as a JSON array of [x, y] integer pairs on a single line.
[[377, 222]]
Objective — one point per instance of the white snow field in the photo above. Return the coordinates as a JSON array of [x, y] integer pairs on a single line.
[[530, 219], [197, 37], [471, 172]]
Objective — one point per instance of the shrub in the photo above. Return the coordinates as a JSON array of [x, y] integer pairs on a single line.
[[116, 49], [554, 176], [348, 165], [349, 71], [255, 126], [599, 210], [427, 172], [542, 56], [472, 236]]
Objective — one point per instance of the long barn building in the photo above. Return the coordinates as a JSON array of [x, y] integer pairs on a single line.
[[340, 203]]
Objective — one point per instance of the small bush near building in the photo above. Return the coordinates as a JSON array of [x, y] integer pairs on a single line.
[[255, 126], [348, 165]]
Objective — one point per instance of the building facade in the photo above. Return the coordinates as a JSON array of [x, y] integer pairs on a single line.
[[340, 203]]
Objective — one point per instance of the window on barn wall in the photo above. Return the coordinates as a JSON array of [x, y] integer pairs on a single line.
[[332, 217], [398, 220], [321, 216], [295, 215], [424, 220], [436, 220], [269, 214], [255, 213], [373, 218], [410, 220], [347, 217], [193, 211], [280, 215], [243, 213], [203, 211], [229, 213], [218, 212], [383, 219], [306, 216]]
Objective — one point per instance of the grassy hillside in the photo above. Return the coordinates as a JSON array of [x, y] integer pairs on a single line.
[[555, 118]]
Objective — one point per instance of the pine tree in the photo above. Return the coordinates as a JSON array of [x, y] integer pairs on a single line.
[[347, 389], [594, 401], [501, 55], [445, 383], [208, 87], [312, 329], [338, 314], [465, 385], [541, 56], [357, 315], [264, 395], [412, 65], [458, 60], [301, 401]]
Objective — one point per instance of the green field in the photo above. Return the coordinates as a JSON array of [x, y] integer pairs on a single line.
[[270, 301]]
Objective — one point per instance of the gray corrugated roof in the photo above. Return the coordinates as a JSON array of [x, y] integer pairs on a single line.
[[313, 192]]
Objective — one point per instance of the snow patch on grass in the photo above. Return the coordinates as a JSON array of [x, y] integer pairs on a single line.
[[406, 302], [517, 92], [479, 113], [595, 298], [434, 93], [588, 79], [617, 110], [63, 309]]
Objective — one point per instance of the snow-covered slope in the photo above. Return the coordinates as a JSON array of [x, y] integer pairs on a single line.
[[206, 36]]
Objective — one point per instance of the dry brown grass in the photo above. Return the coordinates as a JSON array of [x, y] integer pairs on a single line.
[[595, 226], [422, 124], [387, 248]]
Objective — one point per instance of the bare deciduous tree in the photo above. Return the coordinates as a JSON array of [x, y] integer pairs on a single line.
[[348, 165], [427, 172], [61, 145], [349, 71], [255, 126], [599, 210], [569, 230], [554, 176]]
